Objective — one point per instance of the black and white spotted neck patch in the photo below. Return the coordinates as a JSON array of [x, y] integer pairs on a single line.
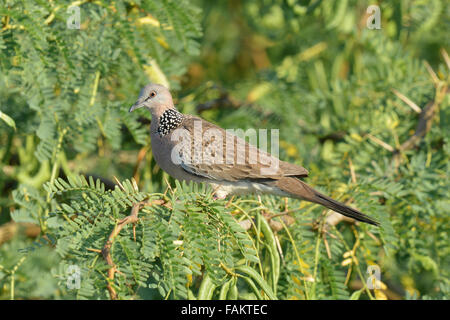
[[168, 121]]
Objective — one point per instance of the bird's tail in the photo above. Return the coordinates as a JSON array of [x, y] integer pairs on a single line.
[[303, 191]]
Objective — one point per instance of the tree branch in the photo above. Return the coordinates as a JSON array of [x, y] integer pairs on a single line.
[[106, 251], [425, 119]]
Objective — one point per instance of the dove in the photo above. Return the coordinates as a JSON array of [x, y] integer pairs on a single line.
[[190, 148]]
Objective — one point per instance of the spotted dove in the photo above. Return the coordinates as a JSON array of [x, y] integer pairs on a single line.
[[192, 149]]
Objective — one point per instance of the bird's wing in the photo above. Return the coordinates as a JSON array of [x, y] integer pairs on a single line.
[[214, 153]]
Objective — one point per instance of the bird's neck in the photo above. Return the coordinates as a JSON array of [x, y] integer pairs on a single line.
[[167, 121]]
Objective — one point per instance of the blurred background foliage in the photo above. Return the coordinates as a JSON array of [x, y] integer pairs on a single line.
[[366, 111]]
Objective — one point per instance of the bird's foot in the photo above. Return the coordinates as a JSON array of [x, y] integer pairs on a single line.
[[219, 196]]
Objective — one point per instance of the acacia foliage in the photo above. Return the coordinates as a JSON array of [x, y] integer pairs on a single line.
[[310, 68]]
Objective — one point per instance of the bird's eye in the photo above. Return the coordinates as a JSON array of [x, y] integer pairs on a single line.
[[152, 94]]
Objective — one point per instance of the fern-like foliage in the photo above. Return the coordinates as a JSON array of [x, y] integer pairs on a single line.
[[190, 236], [334, 88]]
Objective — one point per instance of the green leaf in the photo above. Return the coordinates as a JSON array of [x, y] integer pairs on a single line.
[[9, 121]]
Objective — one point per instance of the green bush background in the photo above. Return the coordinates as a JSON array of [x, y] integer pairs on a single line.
[[335, 89]]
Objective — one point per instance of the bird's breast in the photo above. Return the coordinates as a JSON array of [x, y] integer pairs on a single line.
[[162, 148]]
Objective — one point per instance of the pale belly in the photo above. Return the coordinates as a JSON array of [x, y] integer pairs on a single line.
[[223, 189]]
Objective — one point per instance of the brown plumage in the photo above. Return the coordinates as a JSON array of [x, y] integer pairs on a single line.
[[192, 149]]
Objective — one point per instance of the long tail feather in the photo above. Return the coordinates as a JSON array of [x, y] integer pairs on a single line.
[[303, 191], [342, 208]]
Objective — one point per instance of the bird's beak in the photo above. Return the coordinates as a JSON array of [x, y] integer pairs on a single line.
[[135, 106]]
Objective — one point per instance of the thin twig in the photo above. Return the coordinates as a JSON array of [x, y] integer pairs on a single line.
[[140, 157], [119, 183], [380, 142], [432, 73], [425, 120], [106, 251], [408, 101], [446, 58], [352, 170]]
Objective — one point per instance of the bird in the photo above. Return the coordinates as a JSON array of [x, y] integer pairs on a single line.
[[190, 148]]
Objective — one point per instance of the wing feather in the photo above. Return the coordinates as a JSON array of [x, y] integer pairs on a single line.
[[220, 155]]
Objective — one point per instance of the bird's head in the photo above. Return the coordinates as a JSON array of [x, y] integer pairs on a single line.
[[154, 97]]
